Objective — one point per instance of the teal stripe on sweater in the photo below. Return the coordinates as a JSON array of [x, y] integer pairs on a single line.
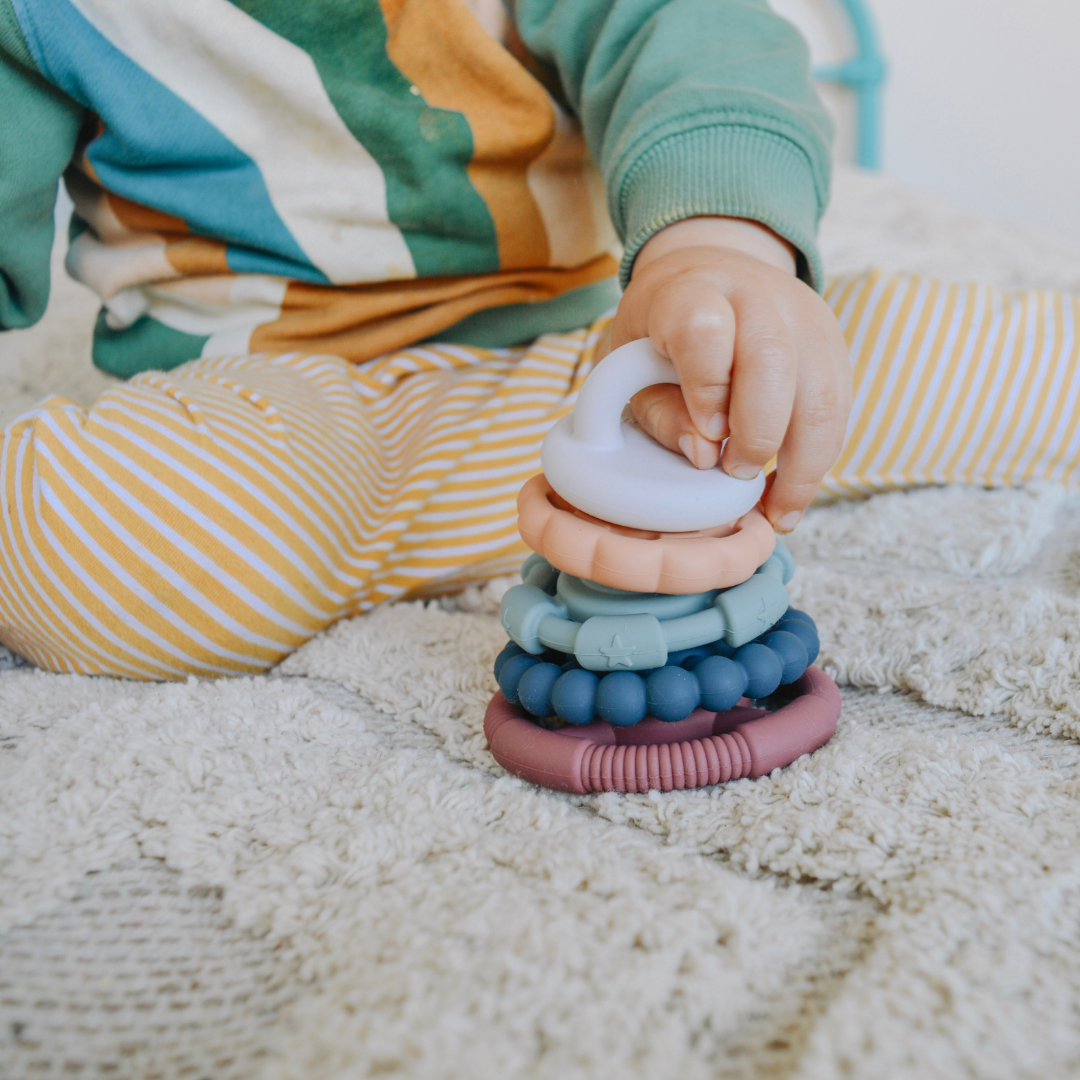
[[146, 345]]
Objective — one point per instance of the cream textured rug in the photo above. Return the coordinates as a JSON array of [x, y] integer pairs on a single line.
[[323, 874]]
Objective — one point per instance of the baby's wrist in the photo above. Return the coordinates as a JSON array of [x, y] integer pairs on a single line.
[[737, 234]]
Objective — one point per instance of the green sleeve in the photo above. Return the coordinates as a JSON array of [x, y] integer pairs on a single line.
[[39, 126], [691, 107]]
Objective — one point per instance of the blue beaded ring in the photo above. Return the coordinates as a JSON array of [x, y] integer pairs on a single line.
[[713, 677]]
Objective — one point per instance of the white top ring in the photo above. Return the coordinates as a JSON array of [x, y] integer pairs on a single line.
[[612, 470]]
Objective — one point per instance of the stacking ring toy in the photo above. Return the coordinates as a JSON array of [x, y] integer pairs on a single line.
[[706, 748], [653, 618]]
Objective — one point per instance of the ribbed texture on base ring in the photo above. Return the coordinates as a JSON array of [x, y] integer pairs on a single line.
[[667, 766]]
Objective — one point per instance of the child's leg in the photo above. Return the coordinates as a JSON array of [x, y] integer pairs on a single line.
[[957, 383], [211, 519]]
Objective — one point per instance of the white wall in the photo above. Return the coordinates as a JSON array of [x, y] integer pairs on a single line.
[[982, 102]]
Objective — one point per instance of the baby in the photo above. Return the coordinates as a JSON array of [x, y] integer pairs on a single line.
[[356, 258]]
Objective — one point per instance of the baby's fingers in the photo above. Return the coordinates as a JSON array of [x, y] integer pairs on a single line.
[[661, 412], [763, 388], [816, 434], [691, 322]]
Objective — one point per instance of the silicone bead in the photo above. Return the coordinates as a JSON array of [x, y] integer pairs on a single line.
[[620, 699], [510, 675], [523, 609], [722, 683], [671, 694], [511, 648], [751, 608], [534, 689], [687, 658], [795, 613], [610, 642], [763, 669], [805, 631], [791, 651], [573, 696]]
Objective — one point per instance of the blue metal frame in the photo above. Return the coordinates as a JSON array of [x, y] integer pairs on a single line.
[[863, 73]]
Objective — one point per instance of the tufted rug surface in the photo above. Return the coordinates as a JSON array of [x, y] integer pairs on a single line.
[[322, 873]]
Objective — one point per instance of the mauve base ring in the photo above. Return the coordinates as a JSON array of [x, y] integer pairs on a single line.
[[706, 748]]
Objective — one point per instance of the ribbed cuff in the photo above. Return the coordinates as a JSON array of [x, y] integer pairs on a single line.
[[725, 170]]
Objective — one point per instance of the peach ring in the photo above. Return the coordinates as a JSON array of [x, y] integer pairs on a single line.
[[636, 560]]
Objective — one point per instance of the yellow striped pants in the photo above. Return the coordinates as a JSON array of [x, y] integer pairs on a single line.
[[210, 519]]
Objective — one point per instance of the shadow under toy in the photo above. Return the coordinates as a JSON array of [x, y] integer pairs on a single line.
[[652, 645]]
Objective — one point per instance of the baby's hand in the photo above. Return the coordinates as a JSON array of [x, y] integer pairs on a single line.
[[759, 354]]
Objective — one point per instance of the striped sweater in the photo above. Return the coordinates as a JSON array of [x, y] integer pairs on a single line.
[[352, 176]]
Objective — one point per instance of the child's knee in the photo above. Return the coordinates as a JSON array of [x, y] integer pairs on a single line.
[[133, 545]]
